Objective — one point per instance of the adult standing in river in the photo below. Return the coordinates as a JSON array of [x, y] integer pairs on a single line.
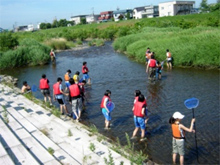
[[147, 55], [169, 59], [52, 56], [178, 131], [45, 88], [85, 71]]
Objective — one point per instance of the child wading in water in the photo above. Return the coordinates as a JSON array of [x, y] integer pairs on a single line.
[[178, 131], [139, 120], [105, 110]]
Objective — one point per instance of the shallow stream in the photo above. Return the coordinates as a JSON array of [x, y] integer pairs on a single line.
[[121, 75]]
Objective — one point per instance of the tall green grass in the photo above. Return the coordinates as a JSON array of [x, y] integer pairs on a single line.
[[189, 47], [29, 52]]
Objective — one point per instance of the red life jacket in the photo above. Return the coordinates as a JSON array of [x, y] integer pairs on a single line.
[[44, 84], [103, 99], [136, 100], [84, 68], [51, 54], [176, 132], [56, 88], [74, 90], [152, 63], [138, 108]]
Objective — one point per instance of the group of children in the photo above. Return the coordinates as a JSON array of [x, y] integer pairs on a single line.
[[74, 89], [154, 67]]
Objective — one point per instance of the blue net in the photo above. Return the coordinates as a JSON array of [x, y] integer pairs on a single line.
[[191, 103], [110, 106]]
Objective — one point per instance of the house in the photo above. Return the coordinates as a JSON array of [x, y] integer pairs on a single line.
[[175, 8], [77, 19], [137, 12], [122, 14], [105, 16], [92, 18], [150, 12]]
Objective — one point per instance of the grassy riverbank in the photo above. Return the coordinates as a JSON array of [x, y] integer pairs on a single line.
[[192, 39], [197, 47]]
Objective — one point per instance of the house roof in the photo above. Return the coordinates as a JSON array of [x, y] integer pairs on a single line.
[[106, 12], [78, 16], [122, 11], [139, 8], [179, 1]]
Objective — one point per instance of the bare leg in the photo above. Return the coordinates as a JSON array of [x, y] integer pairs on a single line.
[[45, 99], [61, 108], [174, 158], [49, 98], [181, 159], [64, 106], [135, 132], [142, 133], [89, 81]]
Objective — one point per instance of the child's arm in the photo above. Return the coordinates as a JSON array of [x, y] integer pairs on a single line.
[[191, 126]]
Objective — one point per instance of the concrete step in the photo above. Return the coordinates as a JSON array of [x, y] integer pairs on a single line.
[[16, 151], [4, 157], [26, 131]]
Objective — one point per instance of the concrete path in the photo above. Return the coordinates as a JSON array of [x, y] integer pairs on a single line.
[[34, 136]]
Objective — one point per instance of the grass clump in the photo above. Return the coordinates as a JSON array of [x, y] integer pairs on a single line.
[[5, 115], [110, 160], [50, 150], [93, 129], [69, 133], [92, 147]]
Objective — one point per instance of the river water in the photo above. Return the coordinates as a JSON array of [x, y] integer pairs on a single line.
[[121, 75]]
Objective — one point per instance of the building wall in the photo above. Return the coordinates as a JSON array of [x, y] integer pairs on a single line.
[[175, 7], [137, 14], [76, 20]]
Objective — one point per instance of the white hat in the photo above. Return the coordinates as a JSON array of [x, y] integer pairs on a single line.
[[178, 115]]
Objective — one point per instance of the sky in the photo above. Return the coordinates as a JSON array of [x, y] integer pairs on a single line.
[[25, 12]]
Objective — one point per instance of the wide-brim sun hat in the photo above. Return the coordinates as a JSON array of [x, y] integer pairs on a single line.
[[178, 115]]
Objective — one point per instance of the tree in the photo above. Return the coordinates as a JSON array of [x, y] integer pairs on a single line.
[[55, 23], [204, 6], [82, 20]]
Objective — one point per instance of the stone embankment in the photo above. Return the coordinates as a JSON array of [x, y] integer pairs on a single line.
[[30, 134]]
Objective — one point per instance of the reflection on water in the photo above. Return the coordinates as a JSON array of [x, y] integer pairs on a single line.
[[110, 70]]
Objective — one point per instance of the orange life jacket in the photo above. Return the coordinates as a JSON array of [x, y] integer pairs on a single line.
[[74, 90], [44, 84], [56, 88], [103, 99], [138, 108], [176, 132], [66, 77]]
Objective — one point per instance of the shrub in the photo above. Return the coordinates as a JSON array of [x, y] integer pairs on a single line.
[[7, 41]]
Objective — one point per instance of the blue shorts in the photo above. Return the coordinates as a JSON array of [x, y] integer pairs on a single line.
[[67, 84], [85, 76], [139, 122], [106, 114]]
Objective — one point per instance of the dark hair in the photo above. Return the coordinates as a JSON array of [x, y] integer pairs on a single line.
[[148, 48], [24, 82], [71, 81], [43, 75], [107, 92], [68, 71], [84, 81], [84, 63], [59, 79], [141, 98], [167, 50], [158, 62], [152, 56], [172, 120], [137, 92], [77, 72]]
